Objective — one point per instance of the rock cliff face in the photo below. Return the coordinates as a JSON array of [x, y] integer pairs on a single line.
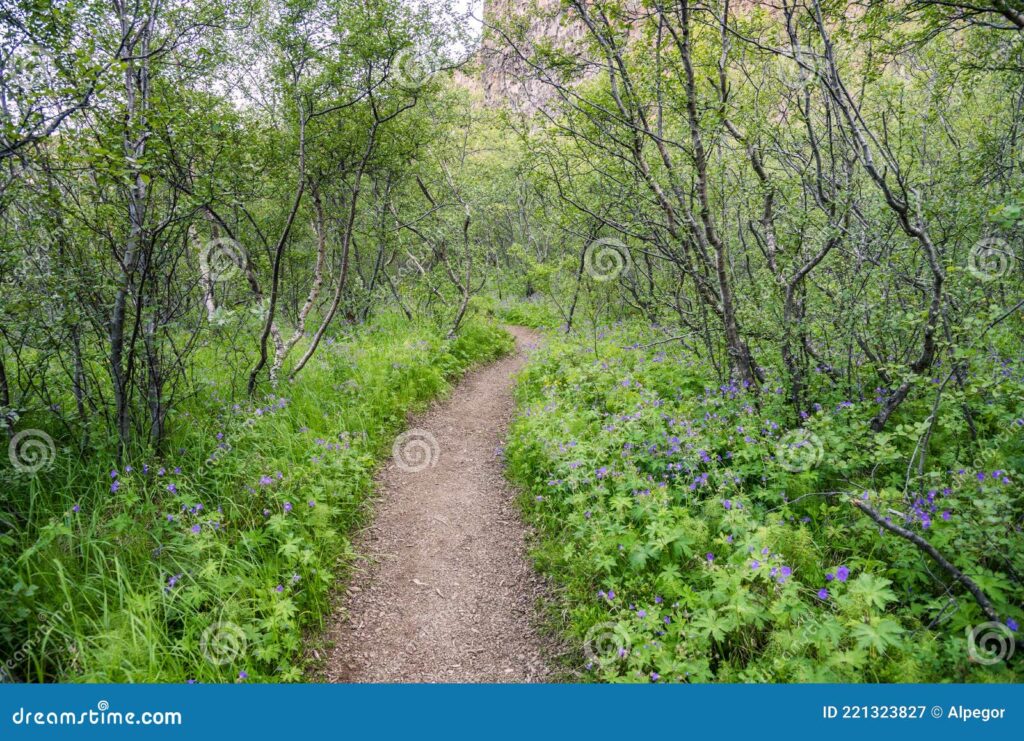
[[512, 28], [505, 78]]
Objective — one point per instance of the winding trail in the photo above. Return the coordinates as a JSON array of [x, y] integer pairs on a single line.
[[444, 591]]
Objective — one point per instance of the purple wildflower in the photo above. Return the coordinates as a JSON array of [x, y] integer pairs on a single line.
[[823, 594]]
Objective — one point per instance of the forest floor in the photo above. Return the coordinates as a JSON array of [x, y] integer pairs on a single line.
[[443, 590]]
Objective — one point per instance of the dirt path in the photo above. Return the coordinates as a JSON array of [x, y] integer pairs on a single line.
[[445, 592]]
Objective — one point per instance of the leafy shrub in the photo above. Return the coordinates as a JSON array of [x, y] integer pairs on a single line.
[[700, 537], [535, 314], [208, 563]]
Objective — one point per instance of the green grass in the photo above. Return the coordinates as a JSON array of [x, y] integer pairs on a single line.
[[690, 544], [537, 314], [210, 563]]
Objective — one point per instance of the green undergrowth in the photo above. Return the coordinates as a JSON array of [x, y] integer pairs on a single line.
[[207, 564], [698, 534], [536, 313]]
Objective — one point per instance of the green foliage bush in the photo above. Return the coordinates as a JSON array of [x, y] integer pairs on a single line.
[[208, 564], [535, 314], [694, 543]]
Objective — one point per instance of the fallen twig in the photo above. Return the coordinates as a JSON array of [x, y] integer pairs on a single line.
[[983, 601]]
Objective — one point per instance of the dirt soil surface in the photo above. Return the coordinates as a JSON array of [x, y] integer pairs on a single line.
[[444, 591]]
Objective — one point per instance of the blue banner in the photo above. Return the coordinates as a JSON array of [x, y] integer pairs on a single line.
[[512, 711]]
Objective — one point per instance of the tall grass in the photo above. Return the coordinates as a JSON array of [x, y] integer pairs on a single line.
[[207, 564]]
